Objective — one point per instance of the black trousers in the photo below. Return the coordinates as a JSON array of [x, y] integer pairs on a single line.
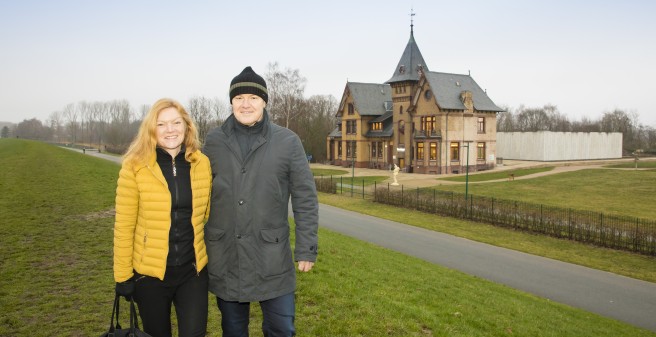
[[182, 287]]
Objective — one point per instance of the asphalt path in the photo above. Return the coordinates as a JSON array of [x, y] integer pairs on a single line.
[[619, 297], [607, 294]]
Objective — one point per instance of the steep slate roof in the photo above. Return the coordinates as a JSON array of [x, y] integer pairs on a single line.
[[369, 98], [337, 133], [410, 60], [447, 88]]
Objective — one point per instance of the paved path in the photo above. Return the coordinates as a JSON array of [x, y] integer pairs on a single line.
[[625, 299]]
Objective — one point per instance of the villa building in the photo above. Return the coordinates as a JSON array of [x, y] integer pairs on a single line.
[[422, 121]]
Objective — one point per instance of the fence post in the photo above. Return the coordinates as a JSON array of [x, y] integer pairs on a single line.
[[341, 185], [569, 222], [635, 244], [402, 195], [362, 188], [375, 190], [417, 201], [434, 205]]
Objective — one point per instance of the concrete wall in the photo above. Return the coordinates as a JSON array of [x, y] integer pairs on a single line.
[[557, 146]]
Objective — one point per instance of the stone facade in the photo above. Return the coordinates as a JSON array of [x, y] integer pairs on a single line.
[[423, 121]]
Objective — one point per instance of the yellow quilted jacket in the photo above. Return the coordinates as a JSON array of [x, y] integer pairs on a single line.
[[143, 217]]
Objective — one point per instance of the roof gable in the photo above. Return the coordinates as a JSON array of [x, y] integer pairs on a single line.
[[447, 89], [369, 98]]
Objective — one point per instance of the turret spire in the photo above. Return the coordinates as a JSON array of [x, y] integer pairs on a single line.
[[412, 23]]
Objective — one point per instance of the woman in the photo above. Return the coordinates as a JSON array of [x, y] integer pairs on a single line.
[[162, 204]]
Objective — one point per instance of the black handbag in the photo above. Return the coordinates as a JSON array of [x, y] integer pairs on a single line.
[[115, 330]]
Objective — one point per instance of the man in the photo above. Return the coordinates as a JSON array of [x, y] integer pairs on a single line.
[[257, 166]]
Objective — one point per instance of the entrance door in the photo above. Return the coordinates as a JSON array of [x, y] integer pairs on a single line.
[[401, 163]]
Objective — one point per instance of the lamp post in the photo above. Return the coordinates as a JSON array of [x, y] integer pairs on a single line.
[[467, 173], [352, 167]]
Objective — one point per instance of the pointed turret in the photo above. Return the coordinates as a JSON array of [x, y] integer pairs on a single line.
[[411, 63]]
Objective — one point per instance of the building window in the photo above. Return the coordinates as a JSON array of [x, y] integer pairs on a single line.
[[455, 151], [351, 110], [377, 126], [433, 151], [351, 127], [428, 94], [350, 149], [481, 124], [380, 149], [420, 151], [480, 154], [374, 148], [339, 149], [401, 110], [428, 124]]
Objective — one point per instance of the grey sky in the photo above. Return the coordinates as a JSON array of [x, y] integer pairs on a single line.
[[585, 57]]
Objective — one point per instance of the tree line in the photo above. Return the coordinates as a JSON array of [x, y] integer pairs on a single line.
[[635, 136], [111, 125]]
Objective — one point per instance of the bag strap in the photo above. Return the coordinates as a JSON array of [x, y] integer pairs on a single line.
[[134, 318], [115, 314]]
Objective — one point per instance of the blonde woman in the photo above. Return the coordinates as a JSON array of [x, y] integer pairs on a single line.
[[162, 204]]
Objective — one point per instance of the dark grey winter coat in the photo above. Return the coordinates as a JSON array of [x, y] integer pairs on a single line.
[[247, 235]]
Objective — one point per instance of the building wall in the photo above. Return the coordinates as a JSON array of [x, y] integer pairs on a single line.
[[557, 146]]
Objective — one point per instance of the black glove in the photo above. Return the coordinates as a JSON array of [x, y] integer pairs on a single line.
[[125, 289]]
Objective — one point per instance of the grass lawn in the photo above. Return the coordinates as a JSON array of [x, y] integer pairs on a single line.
[[643, 164], [619, 192], [56, 270], [328, 172], [498, 175]]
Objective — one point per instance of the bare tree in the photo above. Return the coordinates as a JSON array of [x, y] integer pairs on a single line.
[[32, 129], [71, 115], [200, 110], [221, 110], [315, 122], [56, 123], [286, 88]]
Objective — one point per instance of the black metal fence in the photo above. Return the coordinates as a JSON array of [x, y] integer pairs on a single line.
[[596, 228]]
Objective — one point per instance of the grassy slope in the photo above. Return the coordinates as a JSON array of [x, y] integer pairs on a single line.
[[55, 270], [620, 192]]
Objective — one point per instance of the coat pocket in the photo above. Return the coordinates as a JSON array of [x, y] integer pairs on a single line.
[[276, 251], [215, 245]]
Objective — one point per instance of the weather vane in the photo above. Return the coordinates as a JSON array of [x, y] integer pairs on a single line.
[[412, 24]]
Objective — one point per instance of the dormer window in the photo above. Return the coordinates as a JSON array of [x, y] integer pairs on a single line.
[[350, 109], [402, 69]]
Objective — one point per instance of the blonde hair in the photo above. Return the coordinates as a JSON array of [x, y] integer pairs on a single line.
[[144, 144]]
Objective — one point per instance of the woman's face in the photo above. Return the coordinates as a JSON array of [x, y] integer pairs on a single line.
[[170, 130]]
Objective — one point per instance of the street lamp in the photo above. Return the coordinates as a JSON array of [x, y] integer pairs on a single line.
[[352, 166], [467, 173]]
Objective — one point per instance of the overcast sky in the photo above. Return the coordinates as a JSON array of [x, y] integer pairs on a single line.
[[585, 57]]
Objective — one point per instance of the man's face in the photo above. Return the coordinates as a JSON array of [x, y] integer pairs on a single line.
[[248, 108]]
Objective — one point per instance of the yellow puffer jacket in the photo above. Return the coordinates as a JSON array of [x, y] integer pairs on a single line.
[[143, 217]]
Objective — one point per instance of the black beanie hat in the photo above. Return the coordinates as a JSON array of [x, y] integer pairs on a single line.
[[248, 82]]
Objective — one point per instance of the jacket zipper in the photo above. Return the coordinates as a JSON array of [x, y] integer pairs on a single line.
[[175, 213]]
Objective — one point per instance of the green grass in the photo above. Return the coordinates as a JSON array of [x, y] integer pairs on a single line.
[[618, 192], [498, 175], [619, 262], [642, 164], [56, 270], [328, 172]]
